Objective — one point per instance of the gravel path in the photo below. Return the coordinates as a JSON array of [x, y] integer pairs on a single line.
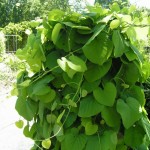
[[11, 138]]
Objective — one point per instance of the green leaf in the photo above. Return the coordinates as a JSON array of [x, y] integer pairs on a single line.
[[90, 86], [138, 93], [84, 93], [60, 116], [97, 31], [51, 59], [29, 131], [136, 51], [49, 97], [118, 43], [72, 25], [90, 128], [46, 143], [26, 108], [129, 73], [25, 83], [89, 107], [93, 143], [115, 7], [96, 72], [98, 53], [108, 140], [74, 141], [146, 125], [63, 64], [70, 120], [111, 117], [131, 55], [58, 130], [107, 96], [56, 15], [77, 64], [51, 118], [134, 136], [41, 90], [72, 103], [19, 124], [55, 32], [130, 111], [114, 24]]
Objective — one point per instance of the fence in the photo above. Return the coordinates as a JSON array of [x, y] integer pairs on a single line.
[[11, 43]]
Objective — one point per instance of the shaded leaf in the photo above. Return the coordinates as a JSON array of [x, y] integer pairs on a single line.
[[130, 111], [118, 43], [89, 107], [107, 96]]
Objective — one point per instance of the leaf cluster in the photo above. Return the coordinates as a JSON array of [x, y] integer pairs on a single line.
[[81, 88]]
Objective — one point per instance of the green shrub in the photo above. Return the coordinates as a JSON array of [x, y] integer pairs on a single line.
[[82, 87], [2, 42]]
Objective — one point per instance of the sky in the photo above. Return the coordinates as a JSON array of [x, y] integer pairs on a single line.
[[141, 3]]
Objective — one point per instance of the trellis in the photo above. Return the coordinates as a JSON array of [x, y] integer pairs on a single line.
[[11, 43]]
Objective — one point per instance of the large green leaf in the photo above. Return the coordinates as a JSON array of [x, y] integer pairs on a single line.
[[89, 107], [136, 51], [137, 93], [26, 108], [40, 87], [55, 32], [129, 73], [73, 141], [77, 64], [90, 128], [134, 136], [111, 117], [118, 43], [96, 72], [93, 143], [51, 59], [97, 31], [107, 96], [109, 140], [48, 97], [90, 86], [130, 111], [98, 50]]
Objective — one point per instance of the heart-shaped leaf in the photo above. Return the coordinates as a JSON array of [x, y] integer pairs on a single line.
[[134, 136], [49, 97], [89, 107], [90, 128], [130, 111], [96, 72], [77, 64], [19, 124], [111, 117], [26, 108], [118, 43], [106, 96], [98, 53], [73, 140], [46, 143]]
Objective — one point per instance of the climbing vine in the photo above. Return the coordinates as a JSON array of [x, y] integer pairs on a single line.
[[82, 86]]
